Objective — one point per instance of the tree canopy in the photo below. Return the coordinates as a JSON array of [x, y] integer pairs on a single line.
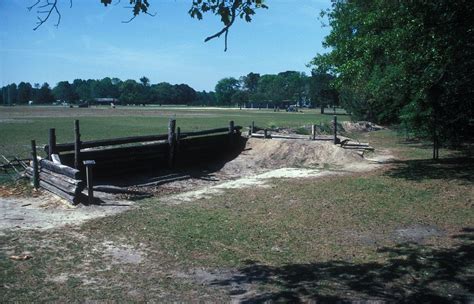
[[404, 61]]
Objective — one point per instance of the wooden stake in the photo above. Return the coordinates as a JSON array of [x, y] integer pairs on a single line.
[[313, 132], [90, 181], [77, 145], [51, 143], [171, 141], [336, 140], [35, 165], [231, 133]]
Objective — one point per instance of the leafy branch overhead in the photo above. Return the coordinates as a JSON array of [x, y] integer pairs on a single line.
[[227, 10]]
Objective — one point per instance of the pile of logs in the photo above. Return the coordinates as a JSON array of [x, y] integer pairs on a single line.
[[58, 179]]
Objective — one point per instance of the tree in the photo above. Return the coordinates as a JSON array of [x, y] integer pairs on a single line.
[[321, 91], [25, 92], [12, 94], [407, 61], [227, 10], [240, 97], [44, 94], [225, 89], [64, 91], [184, 94], [250, 82], [162, 93]]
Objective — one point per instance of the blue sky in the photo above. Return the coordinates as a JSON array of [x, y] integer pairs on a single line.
[[91, 42]]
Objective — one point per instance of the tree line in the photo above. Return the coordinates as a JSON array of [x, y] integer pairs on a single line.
[[88, 91], [290, 87]]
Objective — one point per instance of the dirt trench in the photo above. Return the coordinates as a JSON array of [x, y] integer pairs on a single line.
[[260, 161]]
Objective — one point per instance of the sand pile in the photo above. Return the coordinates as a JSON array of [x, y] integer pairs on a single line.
[[263, 154], [360, 126]]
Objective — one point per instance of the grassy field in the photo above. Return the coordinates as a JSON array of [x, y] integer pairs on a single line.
[[19, 125], [403, 233]]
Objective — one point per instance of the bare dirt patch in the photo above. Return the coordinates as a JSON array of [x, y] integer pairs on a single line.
[[47, 211]]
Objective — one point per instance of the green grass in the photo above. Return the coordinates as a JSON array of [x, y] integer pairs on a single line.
[[330, 239], [19, 125]]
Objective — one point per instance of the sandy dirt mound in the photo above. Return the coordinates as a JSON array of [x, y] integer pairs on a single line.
[[360, 126], [263, 154]]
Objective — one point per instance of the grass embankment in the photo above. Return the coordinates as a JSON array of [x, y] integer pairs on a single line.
[[403, 233]]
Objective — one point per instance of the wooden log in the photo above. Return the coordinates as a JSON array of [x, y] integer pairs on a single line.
[[77, 145], [52, 143], [356, 144], [130, 140], [359, 148], [61, 169], [111, 142], [171, 142], [208, 132], [35, 165], [61, 184], [64, 179], [55, 159], [71, 198], [159, 148]]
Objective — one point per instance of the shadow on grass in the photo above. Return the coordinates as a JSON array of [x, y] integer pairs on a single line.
[[454, 168], [412, 273]]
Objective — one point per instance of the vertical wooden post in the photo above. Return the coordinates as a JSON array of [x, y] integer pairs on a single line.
[[336, 140], [265, 133], [77, 145], [250, 131], [253, 127], [171, 141], [313, 132], [178, 137], [231, 133], [90, 181], [35, 165], [51, 143]]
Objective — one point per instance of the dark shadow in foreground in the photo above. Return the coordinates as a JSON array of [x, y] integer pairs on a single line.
[[412, 273], [455, 168]]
